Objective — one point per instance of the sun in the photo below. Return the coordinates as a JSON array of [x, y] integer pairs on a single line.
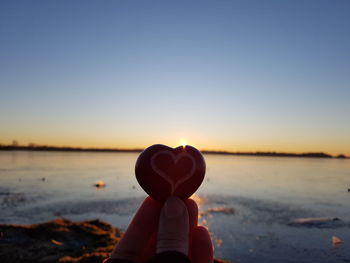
[[183, 143]]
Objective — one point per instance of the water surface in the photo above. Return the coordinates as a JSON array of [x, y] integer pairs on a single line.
[[247, 202]]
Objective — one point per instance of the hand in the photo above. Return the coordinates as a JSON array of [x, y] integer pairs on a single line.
[[171, 227]]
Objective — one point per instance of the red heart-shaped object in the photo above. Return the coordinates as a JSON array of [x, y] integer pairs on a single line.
[[163, 171]]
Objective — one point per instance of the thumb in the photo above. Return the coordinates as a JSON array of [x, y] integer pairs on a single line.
[[173, 231]]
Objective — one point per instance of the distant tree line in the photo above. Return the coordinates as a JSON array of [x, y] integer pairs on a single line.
[[15, 146]]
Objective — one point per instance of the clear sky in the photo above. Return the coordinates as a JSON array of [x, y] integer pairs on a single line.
[[222, 75]]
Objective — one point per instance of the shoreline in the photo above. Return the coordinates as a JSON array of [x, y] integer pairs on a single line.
[[138, 150], [60, 240]]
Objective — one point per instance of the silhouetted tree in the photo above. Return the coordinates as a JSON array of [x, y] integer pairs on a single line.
[[341, 156]]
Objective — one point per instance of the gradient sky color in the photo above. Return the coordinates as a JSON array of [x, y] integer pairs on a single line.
[[221, 75]]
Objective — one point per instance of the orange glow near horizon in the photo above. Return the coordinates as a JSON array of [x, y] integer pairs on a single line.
[[200, 141], [241, 146]]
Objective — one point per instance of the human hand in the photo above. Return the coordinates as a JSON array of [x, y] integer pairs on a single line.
[[172, 227]]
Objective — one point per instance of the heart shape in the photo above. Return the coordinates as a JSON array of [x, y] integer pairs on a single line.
[[163, 171], [177, 178]]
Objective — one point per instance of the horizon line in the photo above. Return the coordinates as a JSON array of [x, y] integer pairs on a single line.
[[35, 147]]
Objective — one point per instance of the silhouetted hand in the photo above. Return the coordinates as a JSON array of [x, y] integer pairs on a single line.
[[156, 229]]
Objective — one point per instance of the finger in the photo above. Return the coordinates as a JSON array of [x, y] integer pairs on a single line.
[[192, 209], [173, 231], [150, 249], [140, 230], [201, 247]]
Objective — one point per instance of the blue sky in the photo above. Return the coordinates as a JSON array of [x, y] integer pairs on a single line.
[[231, 75]]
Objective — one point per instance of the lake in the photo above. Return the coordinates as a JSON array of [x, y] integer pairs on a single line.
[[249, 203]]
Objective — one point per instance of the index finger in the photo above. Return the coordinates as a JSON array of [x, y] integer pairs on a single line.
[[139, 232]]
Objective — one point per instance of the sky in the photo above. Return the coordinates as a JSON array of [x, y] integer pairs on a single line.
[[219, 75]]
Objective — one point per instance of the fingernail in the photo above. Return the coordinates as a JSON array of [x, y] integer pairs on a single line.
[[173, 207]]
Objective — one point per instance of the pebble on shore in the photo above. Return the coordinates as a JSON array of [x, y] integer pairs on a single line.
[[100, 184]]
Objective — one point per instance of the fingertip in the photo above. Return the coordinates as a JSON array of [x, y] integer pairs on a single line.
[[139, 231], [202, 233], [202, 248], [192, 212], [173, 230], [191, 205], [149, 201]]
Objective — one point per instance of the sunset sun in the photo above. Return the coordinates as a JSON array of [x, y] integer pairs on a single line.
[[183, 143]]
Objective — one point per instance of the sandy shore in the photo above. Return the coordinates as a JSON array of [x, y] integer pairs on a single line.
[[59, 240]]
